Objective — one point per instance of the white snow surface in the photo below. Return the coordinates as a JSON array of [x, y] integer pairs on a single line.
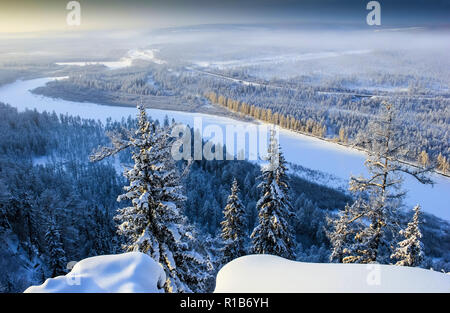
[[126, 61], [121, 273], [306, 151], [268, 273]]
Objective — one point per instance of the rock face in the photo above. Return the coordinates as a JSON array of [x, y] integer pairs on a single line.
[[127, 272], [268, 273]]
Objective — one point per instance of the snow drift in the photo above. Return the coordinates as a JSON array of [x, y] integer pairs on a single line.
[[137, 272], [268, 273], [128, 272]]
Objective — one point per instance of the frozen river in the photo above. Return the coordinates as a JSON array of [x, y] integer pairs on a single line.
[[306, 151]]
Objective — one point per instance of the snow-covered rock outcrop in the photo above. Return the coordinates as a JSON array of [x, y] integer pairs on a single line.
[[267, 273], [127, 272]]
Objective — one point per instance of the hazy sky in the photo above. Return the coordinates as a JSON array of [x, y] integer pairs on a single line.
[[50, 15]]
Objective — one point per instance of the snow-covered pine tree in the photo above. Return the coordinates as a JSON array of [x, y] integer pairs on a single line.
[[339, 237], [374, 213], [409, 252], [192, 267], [154, 224], [57, 261], [233, 226], [274, 234]]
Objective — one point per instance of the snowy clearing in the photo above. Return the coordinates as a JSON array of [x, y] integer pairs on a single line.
[[299, 149], [127, 272], [268, 273]]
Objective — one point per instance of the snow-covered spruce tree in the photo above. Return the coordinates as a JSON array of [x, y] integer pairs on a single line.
[[409, 252], [274, 234], [339, 237], [153, 224], [57, 261], [233, 226], [373, 216]]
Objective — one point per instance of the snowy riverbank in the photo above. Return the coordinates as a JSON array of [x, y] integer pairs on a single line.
[[298, 149]]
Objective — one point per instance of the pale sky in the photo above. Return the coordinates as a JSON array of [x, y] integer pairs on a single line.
[[50, 15]]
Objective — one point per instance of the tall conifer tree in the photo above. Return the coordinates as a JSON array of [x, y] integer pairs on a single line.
[[274, 234], [233, 226]]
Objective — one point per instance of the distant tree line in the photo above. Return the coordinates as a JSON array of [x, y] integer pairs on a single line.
[[311, 127], [286, 121]]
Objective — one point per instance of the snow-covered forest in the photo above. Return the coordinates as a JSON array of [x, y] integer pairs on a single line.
[[57, 206]]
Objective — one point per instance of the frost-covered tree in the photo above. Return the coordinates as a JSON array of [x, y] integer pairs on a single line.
[[234, 226], [339, 237], [154, 224], [424, 159], [57, 261], [409, 252], [373, 216], [273, 233], [442, 163]]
